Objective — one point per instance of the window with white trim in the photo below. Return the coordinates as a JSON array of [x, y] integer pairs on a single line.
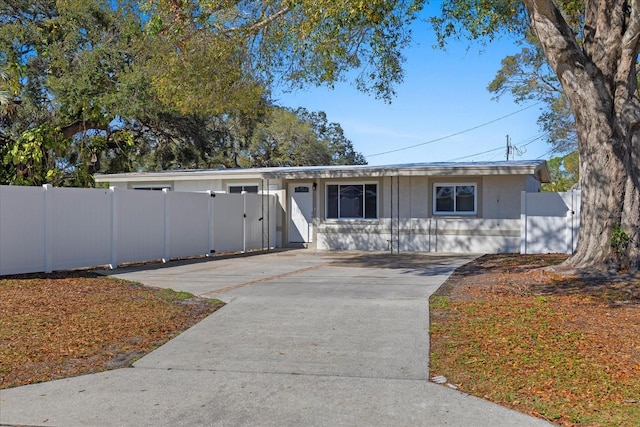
[[455, 199], [352, 201], [238, 189]]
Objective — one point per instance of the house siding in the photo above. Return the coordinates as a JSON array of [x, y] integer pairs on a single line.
[[500, 196], [406, 221]]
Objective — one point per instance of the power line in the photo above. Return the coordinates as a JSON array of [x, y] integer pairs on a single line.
[[520, 146], [454, 134], [477, 154], [553, 150]]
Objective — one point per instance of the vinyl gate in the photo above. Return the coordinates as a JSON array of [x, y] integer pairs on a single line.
[[549, 222]]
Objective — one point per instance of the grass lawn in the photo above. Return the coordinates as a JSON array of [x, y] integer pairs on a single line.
[[65, 324], [562, 348]]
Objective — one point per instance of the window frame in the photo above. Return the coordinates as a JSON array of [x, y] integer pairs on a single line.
[[242, 186], [363, 184], [151, 187], [455, 212]]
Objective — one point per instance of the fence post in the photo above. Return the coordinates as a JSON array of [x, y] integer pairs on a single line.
[[244, 221], [48, 228], [210, 221], [569, 229], [523, 222], [165, 250], [575, 223], [114, 229]]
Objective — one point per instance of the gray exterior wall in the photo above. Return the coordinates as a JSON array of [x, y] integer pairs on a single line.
[[406, 221]]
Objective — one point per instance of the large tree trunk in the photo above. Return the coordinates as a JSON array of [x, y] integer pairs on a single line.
[[599, 79]]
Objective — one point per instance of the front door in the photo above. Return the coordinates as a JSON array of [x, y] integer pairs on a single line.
[[301, 216]]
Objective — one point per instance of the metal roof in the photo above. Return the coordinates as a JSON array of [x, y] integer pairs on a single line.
[[538, 168]]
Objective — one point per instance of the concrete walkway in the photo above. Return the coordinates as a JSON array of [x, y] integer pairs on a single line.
[[306, 339]]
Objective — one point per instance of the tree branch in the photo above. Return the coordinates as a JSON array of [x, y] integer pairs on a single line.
[[626, 87], [632, 33], [554, 33], [266, 20], [80, 126], [565, 56]]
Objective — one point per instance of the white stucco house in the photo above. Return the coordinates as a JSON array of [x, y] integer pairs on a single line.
[[426, 207]]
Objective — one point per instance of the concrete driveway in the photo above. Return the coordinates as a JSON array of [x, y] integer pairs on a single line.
[[307, 338]]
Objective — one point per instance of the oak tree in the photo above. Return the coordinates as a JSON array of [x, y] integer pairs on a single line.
[[300, 138], [592, 47], [127, 85]]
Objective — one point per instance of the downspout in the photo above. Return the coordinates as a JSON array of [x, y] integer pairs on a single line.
[[391, 215], [268, 218], [398, 213], [262, 213]]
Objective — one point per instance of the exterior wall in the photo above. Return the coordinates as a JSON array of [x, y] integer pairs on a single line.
[[406, 221], [500, 196], [216, 185], [473, 235], [198, 185], [533, 185]]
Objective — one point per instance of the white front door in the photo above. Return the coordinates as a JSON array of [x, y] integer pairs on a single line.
[[301, 216]]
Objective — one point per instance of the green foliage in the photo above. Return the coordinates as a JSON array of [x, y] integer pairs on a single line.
[[564, 172], [479, 20], [341, 148], [4, 93], [300, 138], [70, 58], [134, 86], [303, 42], [283, 140], [32, 158], [619, 239], [170, 295], [439, 302], [204, 76]]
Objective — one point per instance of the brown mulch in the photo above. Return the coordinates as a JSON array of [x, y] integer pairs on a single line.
[[562, 347], [534, 274], [71, 323]]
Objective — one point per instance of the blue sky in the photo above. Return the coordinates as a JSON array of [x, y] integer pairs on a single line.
[[443, 93]]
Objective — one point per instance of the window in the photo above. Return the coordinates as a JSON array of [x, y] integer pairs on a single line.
[[457, 199], [238, 189], [352, 201]]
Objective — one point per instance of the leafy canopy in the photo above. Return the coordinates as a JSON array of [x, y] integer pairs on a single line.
[[564, 172], [122, 85]]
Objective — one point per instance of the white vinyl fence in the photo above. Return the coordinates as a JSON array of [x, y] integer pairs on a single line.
[[43, 229], [549, 222]]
